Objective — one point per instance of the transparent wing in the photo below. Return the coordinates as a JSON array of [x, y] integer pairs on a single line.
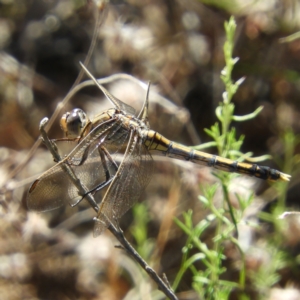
[[133, 176], [52, 189], [115, 101], [123, 106]]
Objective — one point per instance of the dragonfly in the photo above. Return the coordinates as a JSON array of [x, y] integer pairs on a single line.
[[112, 161]]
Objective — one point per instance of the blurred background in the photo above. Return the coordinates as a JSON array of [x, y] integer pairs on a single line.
[[178, 46]]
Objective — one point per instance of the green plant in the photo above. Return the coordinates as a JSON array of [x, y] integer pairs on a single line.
[[138, 230], [208, 282]]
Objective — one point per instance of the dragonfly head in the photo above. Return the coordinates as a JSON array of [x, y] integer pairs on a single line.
[[73, 123]]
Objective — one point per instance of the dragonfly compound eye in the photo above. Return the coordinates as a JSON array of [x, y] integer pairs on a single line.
[[72, 123]]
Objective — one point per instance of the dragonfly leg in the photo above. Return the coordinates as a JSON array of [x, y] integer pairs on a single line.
[[96, 189], [82, 159], [110, 158], [103, 152]]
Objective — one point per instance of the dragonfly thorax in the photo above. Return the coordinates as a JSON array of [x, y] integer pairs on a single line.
[[72, 123], [130, 122]]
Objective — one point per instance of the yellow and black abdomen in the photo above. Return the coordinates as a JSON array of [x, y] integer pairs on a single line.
[[155, 141]]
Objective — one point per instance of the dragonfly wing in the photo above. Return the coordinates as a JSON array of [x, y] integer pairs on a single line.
[[123, 106], [132, 177], [115, 101], [55, 187], [49, 191], [52, 189]]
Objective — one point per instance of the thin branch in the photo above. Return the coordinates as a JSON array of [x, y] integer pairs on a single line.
[[117, 232]]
